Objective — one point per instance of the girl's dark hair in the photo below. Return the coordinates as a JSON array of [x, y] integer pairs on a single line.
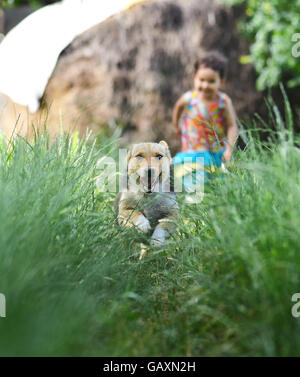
[[214, 60]]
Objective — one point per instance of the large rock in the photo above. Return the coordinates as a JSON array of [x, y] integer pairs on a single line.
[[132, 68], [15, 119]]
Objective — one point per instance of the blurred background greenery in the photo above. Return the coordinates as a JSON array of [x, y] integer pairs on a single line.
[[271, 26], [33, 3]]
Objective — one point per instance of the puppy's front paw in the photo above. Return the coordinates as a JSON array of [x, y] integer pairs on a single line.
[[158, 236], [156, 242], [143, 224]]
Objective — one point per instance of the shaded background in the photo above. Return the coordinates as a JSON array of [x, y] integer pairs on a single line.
[[131, 68]]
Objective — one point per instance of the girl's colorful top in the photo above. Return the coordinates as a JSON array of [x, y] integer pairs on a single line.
[[203, 127]]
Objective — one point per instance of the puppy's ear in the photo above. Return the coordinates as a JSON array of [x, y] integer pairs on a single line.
[[165, 145]]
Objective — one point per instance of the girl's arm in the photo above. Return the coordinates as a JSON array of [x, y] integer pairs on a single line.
[[232, 131], [177, 111]]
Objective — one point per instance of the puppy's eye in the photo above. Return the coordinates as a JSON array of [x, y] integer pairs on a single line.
[[139, 156], [159, 156]]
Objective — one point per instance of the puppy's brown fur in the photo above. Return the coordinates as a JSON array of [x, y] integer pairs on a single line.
[[149, 202]]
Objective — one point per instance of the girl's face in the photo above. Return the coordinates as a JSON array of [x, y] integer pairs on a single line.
[[207, 82]]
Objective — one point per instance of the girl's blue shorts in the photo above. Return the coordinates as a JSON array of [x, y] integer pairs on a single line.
[[195, 167]]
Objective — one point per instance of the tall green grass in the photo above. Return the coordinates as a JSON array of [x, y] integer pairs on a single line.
[[221, 286]]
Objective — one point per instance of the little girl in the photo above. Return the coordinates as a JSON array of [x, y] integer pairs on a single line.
[[208, 121]]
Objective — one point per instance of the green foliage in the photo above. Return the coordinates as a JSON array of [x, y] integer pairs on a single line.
[[273, 27], [222, 286], [33, 3]]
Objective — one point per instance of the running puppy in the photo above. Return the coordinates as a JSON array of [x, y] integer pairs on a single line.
[[149, 202]]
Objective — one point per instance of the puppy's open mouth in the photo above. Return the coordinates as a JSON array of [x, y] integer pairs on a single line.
[[148, 184]]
